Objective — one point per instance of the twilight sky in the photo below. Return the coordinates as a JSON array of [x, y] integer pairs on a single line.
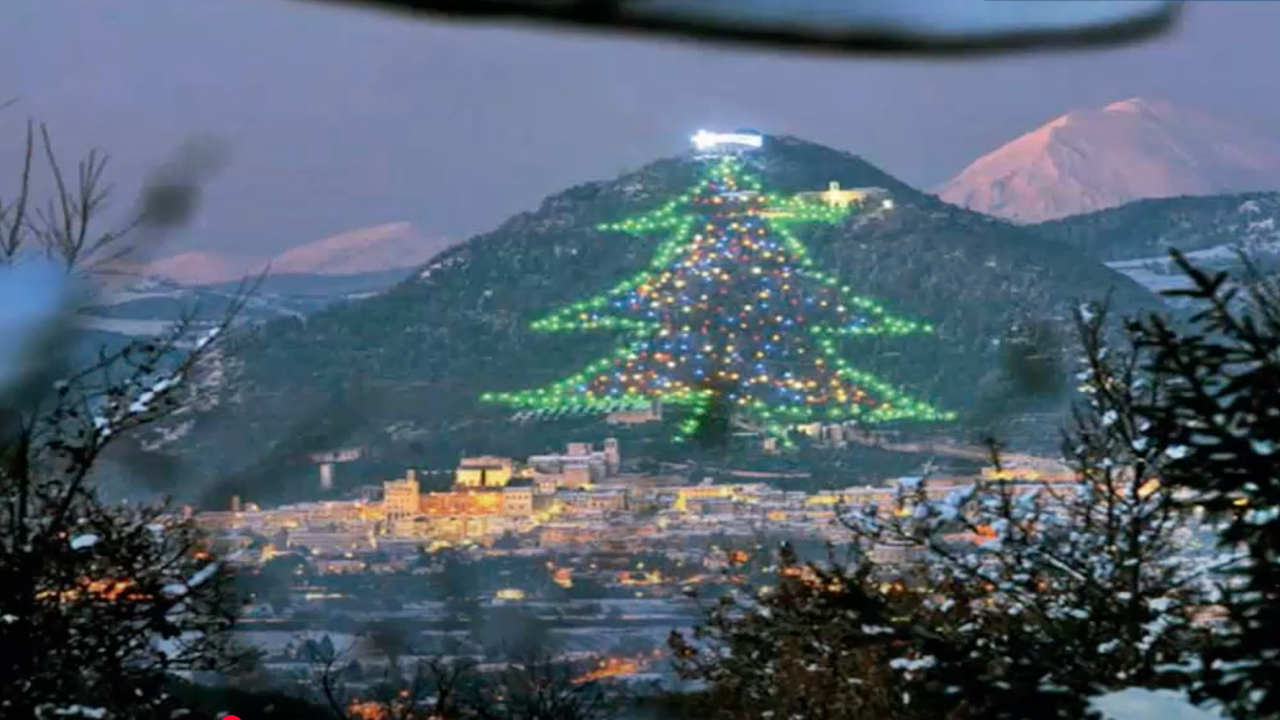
[[338, 119]]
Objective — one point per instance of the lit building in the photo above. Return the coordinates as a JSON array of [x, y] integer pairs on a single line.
[[510, 501], [517, 501], [475, 528], [580, 466], [574, 474], [546, 483], [418, 526], [562, 533], [612, 455], [828, 435], [854, 496], [484, 471], [592, 500], [836, 196], [683, 495], [462, 503], [401, 498]]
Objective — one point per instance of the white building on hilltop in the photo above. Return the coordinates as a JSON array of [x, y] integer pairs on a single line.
[[837, 196]]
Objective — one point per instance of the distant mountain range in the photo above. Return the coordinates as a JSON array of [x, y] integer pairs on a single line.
[[193, 268], [143, 299], [136, 306], [1130, 150], [378, 249]]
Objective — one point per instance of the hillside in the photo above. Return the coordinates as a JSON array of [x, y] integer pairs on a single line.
[[129, 306], [1131, 150], [401, 372], [1136, 238], [1150, 227]]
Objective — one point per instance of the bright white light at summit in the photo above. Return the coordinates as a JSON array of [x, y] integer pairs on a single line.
[[706, 140]]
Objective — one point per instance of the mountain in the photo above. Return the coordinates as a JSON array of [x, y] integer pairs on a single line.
[[129, 305], [143, 299], [401, 373], [1131, 150], [195, 268], [375, 250], [1135, 239]]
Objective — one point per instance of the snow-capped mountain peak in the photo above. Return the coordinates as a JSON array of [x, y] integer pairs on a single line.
[[1133, 149], [374, 249], [196, 268]]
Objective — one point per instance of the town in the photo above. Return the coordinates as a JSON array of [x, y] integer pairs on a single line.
[[601, 561]]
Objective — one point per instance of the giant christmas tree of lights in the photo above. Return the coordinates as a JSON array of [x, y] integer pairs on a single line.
[[731, 303]]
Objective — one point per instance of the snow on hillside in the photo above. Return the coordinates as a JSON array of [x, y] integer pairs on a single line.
[[439, 265], [1142, 704], [1257, 236], [1093, 159], [133, 299], [125, 326]]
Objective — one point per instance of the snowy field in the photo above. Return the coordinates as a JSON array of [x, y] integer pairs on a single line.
[[1139, 704]]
